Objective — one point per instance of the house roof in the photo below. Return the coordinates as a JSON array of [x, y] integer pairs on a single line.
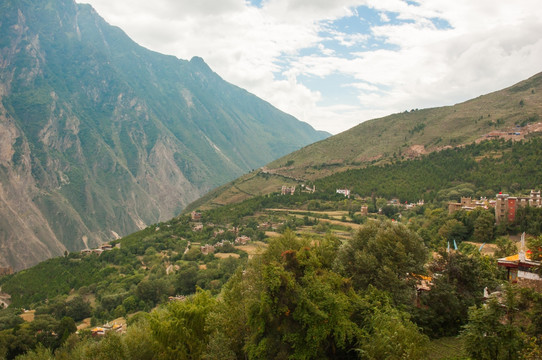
[[514, 260]]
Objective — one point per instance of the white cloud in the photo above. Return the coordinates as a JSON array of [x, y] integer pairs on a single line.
[[384, 17], [408, 59]]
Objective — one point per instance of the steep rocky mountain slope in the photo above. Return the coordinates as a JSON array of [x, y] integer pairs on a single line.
[[513, 113], [100, 137]]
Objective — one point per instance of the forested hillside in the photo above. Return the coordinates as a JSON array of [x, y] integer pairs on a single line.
[[302, 276], [482, 169], [512, 113]]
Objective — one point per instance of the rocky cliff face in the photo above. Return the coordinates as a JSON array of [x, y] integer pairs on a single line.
[[100, 137]]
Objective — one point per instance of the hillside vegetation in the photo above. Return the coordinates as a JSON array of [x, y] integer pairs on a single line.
[[314, 271], [407, 135]]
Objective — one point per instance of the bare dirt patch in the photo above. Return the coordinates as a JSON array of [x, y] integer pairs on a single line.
[[227, 255], [28, 315], [488, 249], [256, 248], [84, 324]]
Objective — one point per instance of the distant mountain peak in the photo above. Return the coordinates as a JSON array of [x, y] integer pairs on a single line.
[[197, 60], [129, 138]]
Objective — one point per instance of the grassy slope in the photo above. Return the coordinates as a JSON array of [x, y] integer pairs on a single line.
[[376, 141]]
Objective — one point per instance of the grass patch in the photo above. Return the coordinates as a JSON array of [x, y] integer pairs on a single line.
[[446, 348]]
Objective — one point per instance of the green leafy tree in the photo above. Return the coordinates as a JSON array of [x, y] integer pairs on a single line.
[[535, 245], [505, 247], [65, 328], [453, 230], [77, 308], [383, 255], [138, 341], [484, 227], [187, 278], [391, 335], [491, 332], [179, 329], [110, 347], [460, 285], [40, 353], [288, 303]]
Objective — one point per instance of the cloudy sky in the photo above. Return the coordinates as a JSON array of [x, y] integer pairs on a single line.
[[336, 63]]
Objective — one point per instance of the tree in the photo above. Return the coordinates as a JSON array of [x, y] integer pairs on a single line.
[[505, 247], [391, 335], [459, 286], [77, 309], [65, 328], [288, 304], [110, 347], [187, 277], [40, 353], [491, 332], [453, 230], [383, 255], [151, 290], [179, 329], [301, 308], [535, 245], [484, 227]]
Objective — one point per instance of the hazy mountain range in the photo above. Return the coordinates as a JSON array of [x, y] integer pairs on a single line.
[[100, 137]]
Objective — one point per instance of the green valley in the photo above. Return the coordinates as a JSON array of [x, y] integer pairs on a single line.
[[262, 277]]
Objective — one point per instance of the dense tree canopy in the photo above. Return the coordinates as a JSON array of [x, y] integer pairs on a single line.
[[383, 255]]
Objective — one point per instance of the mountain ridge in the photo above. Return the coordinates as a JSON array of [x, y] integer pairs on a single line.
[[101, 137], [396, 137]]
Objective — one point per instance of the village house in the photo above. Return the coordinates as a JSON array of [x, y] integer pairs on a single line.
[[207, 249], [285, 190], [242, 240], [222, 243], [99, 250], [6, 271], [104, 329], [234, 229], [413, 205], [308, 188], [423, 284], [506, 205], [198, 227], [265, 225], [468, 204], [534, 199], [195, 216], [106, 247], [344, 192]]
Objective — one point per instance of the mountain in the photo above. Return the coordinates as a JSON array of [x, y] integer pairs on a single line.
[[512, 113], [100, 137]]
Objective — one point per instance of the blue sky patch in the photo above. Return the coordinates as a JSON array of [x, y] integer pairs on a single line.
[[440, 23], [333, 89], [255, 3]]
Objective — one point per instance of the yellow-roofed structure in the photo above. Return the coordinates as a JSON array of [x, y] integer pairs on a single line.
[[520, 266]]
